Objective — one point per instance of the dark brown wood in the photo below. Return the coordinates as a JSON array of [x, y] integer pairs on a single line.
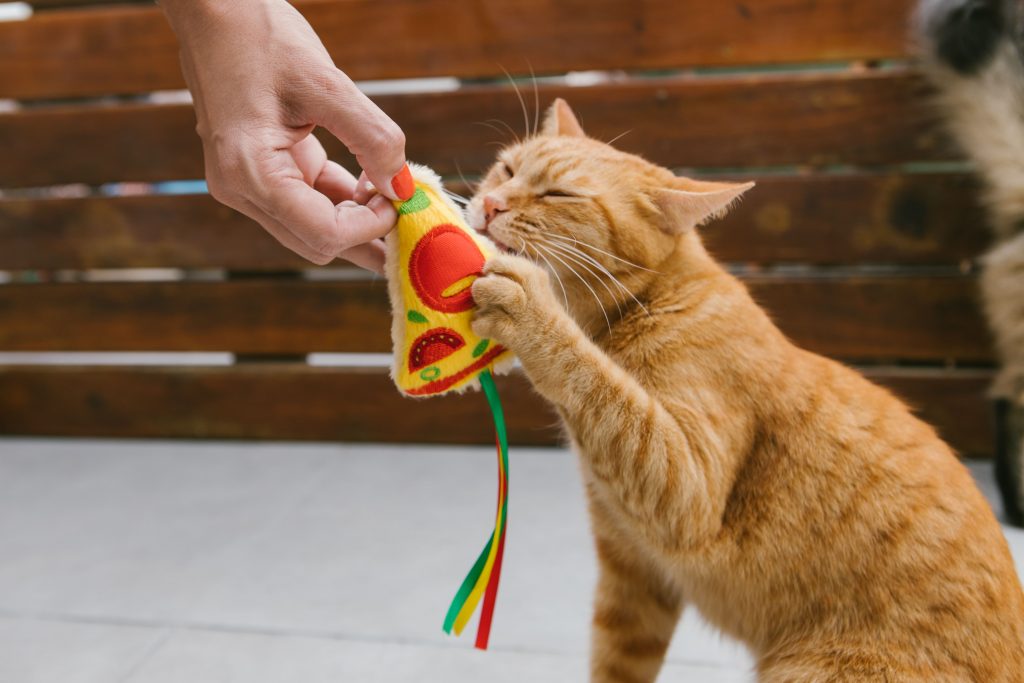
[[286, 401], [879, 318], [246, 316], [50, 5], [870, 118], [158, 231], [829, 219], [131, 50], [295, 402], [955, 402], [853, 219], [898, 318]]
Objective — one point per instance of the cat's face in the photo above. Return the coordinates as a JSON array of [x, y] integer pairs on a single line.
[[572, 203]]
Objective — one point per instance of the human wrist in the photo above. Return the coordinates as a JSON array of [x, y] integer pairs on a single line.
[[190, 16]]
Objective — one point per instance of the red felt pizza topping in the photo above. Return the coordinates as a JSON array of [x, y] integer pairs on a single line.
[[443, 384], [433, 347], [441, 267]]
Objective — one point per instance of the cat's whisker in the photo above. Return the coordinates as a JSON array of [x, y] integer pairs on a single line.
[[576, 240], [589, 264], [597, 264], [575, 259], [511, 131], [536, 101], [522, 248], [522, 102], [586, 284], [497, 130], [619, 137], [471, 185], [455, 197], [554, 274]]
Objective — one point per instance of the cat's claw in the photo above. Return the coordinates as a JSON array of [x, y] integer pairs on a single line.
[[510, 297]]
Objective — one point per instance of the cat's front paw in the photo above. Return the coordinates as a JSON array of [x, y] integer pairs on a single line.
[[513, 299]]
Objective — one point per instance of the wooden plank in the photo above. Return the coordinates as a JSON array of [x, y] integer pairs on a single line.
[[955, 402], [273, 401], [872, 318], [866, 318], [854, 219], [295, 402], [821, 219], [869, 118], [46, 5], [157, 231], [245, 316], [132, 50]]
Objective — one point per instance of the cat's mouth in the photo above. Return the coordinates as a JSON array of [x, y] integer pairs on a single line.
[[497, 242]]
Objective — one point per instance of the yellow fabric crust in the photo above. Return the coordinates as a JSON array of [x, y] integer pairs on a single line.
[[421, 330]]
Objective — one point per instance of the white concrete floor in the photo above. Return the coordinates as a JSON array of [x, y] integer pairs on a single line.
[[154, 562]]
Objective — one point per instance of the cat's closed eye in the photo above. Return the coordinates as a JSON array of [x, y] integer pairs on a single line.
[[557, 193], [507, 171]]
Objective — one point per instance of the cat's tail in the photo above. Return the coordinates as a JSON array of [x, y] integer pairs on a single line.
[[972, 51]]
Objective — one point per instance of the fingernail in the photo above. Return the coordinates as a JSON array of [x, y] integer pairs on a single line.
[[403, 184]]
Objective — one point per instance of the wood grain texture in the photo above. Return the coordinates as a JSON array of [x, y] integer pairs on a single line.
[[156, 231], [878, 318], [296, 402], [51, 5], [132, 50], [954, 401], [853, 219], [820, 219], [818, 119]]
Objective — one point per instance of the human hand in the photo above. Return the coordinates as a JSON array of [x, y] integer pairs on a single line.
[[261, 81]]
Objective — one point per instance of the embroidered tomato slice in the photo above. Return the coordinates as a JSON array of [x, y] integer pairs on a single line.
[[442, 268], [433, 347]]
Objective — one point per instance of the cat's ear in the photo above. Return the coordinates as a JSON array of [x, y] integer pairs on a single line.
[[688, 203], [561, 121]]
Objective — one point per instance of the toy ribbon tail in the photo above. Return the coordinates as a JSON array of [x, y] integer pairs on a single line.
[[482, 580]]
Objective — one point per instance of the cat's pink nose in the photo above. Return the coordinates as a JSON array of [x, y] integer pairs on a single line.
[[493, 206]]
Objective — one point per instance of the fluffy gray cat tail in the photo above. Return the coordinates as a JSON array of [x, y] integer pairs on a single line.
[[972, 52]]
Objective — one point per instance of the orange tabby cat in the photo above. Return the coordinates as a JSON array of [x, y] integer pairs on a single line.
[[797, 506]]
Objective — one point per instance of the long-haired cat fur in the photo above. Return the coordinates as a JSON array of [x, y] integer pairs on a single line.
[[800, 508], [972, 51]]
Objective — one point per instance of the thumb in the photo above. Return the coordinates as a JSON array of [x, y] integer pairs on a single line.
[[376, 141]]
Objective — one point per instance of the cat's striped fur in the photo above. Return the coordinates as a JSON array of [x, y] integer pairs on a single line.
[[797, 506]]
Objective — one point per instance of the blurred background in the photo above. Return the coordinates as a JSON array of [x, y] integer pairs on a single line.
[[162, 358]]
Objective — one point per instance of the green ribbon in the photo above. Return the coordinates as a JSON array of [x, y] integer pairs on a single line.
[[498, 415]]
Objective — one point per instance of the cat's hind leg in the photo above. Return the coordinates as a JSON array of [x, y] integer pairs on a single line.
[[635, 615], [842, 663]]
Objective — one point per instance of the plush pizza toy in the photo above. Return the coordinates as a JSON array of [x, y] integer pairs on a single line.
[[433, 259]]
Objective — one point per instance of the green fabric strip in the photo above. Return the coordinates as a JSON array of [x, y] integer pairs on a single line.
[[467, 587], [487, 382], [498, 414]]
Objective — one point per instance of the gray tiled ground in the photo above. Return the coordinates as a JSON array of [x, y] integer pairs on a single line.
[[152, 562]]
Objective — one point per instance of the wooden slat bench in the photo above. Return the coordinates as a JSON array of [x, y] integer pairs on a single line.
[[859, 237]]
